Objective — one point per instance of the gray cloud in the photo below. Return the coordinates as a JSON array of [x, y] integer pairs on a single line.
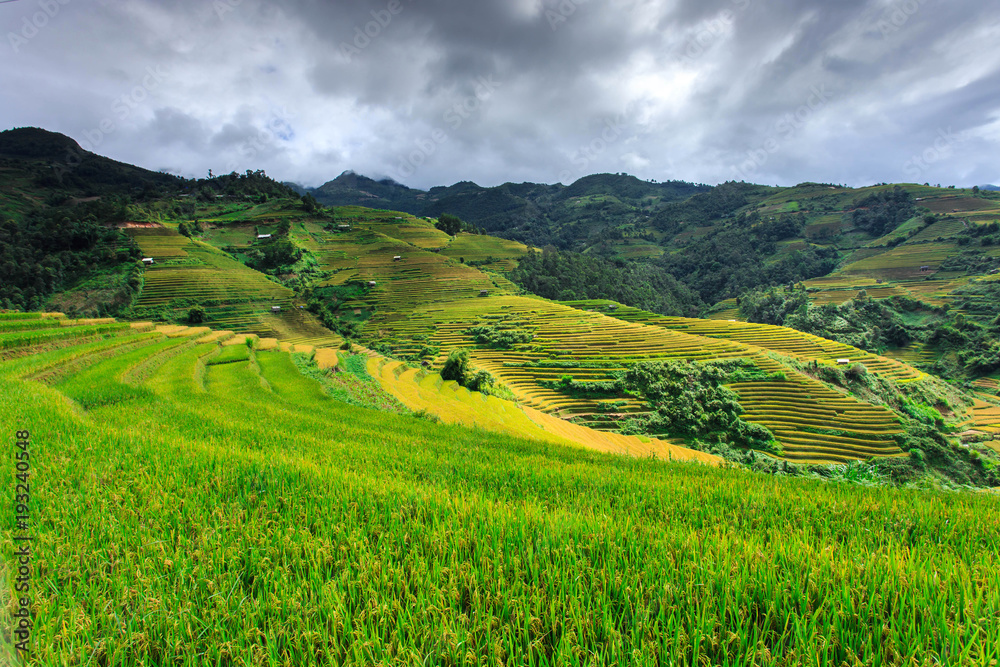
[[437, 91]]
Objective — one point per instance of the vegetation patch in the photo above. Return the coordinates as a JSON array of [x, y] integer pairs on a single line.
[[690, 400]]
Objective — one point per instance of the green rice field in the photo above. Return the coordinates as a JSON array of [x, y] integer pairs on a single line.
[[201, 504]]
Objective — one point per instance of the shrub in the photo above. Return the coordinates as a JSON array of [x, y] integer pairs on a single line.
[[480, 381], [456, 366], [500, 337], [197, 315], [856, 371]]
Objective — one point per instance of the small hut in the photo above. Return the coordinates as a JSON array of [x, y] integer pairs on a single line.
[[263, 236], [275, 309], [147, 260], [484, 292], [397, 258], [372, 283], [843, 362]]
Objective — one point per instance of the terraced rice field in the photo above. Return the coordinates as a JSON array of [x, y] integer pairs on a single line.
[[418, 277], [235, 297], [636, 249], [475, 248], [946, 228], [913, 354], [986, 417], [959, 204], [805, 347], [193, 512], [160, 243], [427, 299], [453, 404], [411, 230], [903, 261], [730, 312], [814, 424]]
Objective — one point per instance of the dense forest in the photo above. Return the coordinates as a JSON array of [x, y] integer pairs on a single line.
[[566, 276], [739, 255], [967, 339], [882, 212], [52, 248]]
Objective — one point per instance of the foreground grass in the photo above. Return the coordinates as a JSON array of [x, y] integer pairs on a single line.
[[233, 514]]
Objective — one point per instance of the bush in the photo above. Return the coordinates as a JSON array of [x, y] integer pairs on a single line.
[[456, 366], [480, 381], [856, 372], [689, 399], [197, 315], [499, 337]]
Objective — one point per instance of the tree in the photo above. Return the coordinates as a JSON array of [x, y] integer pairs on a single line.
[[449, 224], [309, 203], [196, 315], [456, 366]]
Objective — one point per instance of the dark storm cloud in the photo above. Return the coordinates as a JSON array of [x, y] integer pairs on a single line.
[[437, 91]]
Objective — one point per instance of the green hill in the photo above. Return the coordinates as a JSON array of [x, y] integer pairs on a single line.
[[571, 217]]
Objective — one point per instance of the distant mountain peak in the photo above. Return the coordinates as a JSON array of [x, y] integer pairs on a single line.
[[34, 142]]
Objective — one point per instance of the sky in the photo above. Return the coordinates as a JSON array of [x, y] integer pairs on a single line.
[[432, 92]]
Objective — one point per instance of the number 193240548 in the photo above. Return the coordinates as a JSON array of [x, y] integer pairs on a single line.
[[22, 618]]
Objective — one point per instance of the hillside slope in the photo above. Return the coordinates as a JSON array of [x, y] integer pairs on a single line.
[[238, 253], [577, 216], [187, 497], [394, 282]]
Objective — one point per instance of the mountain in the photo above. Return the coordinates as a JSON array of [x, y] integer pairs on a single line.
[[351, 189], [51, 161], [990, 188], [570, 217]]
